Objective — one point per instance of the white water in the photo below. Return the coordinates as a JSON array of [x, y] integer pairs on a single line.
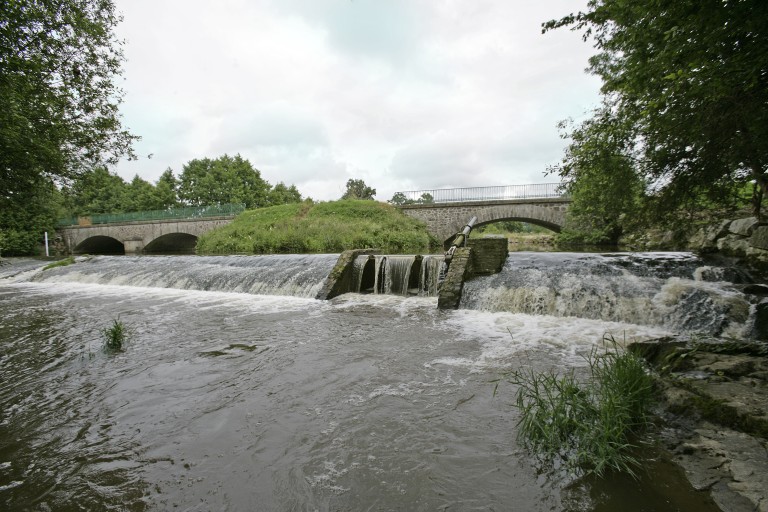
[[665, 290], [238, 392]]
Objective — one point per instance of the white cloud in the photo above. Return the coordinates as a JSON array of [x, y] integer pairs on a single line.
[[404, 94]]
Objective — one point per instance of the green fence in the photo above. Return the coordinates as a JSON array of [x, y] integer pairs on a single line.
[[218, 210]]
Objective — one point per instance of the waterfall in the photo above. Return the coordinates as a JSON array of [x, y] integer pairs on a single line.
[[396, 274]]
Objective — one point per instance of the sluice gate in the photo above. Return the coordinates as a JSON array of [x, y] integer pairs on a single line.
[[364, 271]]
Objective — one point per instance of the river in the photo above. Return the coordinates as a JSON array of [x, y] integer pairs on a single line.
[[239, 391]]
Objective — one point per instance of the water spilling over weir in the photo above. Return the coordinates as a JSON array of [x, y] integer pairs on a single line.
[[237, 390], [397, 275]]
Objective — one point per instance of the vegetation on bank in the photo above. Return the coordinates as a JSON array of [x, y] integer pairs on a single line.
[[681, 135], [327, 227], [586, 428]]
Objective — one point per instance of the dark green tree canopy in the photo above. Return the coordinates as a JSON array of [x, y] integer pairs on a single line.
[[224, 180], [99, 191], [691, 77], [357, 189], [58, 97], [282, 194]]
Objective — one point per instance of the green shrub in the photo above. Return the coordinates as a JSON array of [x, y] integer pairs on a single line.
[[586, 428]]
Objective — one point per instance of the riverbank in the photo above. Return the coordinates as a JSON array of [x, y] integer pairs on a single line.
[[714, 402]]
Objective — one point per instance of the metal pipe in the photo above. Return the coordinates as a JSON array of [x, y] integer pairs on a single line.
[[460, 240]]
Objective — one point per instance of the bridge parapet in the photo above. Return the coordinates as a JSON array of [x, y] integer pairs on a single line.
[[485, 194]]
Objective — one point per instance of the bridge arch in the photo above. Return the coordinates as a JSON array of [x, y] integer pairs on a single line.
[[176, 235], [100, 244], [444, 220], [172, 242]]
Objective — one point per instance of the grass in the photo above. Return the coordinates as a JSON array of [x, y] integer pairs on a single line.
[[586, 428], [115, 336], [61, 263], [328, 227]]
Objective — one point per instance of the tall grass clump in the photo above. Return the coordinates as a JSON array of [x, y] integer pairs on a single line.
[[590, 427], [115, 336], [60, 263]]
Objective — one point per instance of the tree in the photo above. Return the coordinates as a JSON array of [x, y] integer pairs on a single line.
[[280, 194], [97, 192], [357, 189], [205, 182], [691, 77], [140, 196], [22, 229], [599, 169], [166, 190], [58, 99]]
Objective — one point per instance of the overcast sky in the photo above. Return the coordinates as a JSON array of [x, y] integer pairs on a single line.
[[404, 94]]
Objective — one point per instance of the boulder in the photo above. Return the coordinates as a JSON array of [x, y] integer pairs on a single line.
[[759, 238], [733, 245], [743, 227], [760, 329], [705, 239]]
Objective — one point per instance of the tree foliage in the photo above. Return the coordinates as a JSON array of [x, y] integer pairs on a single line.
[[58, 107], [691, 79], [399, 199], [357, 189], [282, 194], [223, 180], [599, 172], [22, 229], [58, 96]]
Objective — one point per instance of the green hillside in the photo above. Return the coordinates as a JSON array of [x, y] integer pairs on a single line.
[[328, 227]]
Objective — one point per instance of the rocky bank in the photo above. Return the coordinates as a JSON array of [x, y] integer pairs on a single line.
[[715, 403], [715, 391]]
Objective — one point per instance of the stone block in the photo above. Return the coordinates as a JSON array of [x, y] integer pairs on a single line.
[[488, 254]]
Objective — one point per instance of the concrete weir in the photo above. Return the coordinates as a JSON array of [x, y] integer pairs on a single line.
[[481, 256]]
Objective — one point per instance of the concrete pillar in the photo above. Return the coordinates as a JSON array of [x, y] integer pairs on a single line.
[[133, 246]]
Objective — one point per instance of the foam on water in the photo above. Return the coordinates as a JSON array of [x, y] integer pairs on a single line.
[[658, 289], [297, 275]]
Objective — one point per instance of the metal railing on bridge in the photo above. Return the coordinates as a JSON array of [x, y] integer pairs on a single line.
[[194, 212], [496, 193]]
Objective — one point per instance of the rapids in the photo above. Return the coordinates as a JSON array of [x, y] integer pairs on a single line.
[[238, 391]]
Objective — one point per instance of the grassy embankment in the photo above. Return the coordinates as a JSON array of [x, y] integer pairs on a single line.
[[328, 227]]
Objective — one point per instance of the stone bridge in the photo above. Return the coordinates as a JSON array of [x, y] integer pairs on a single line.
[[444, 220], [153, 236]]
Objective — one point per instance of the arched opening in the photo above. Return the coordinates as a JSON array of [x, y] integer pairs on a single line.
[[100, 245], [172, 243], [522, 234], [368, 281]]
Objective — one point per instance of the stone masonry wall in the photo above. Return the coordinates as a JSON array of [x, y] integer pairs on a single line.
[[488, 254]]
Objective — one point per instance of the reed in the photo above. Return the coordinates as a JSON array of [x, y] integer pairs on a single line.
[[115, 336], [591, 427]]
